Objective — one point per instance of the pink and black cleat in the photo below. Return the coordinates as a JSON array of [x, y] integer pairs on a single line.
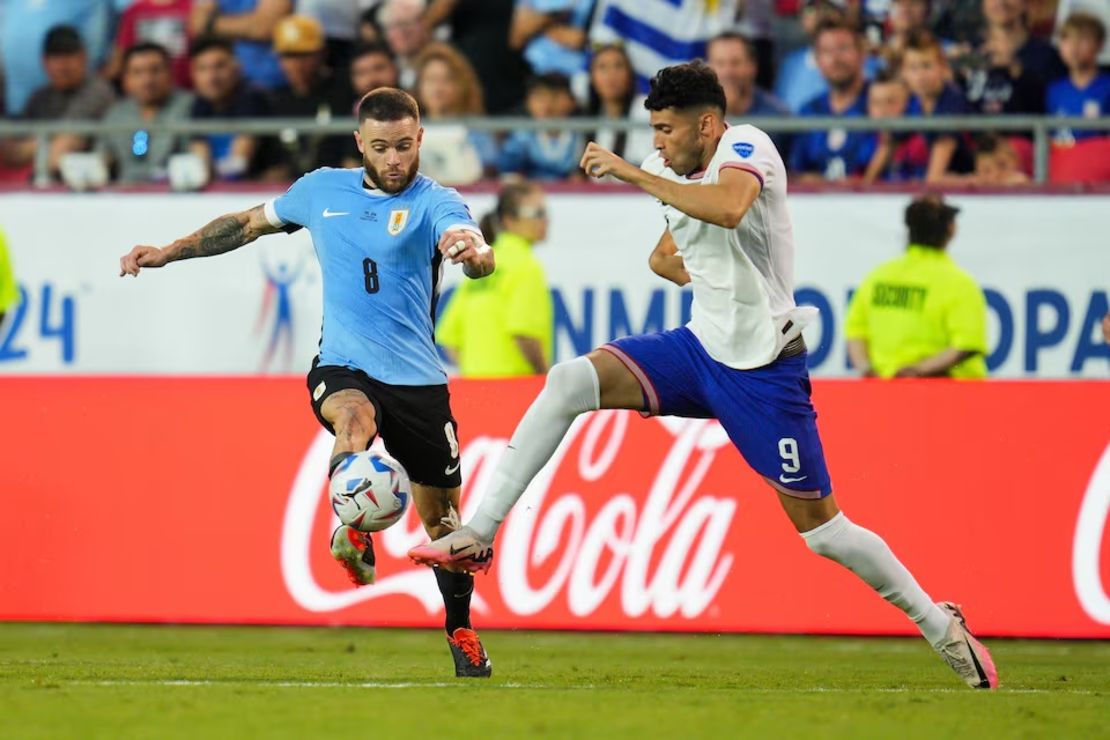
[[966, 655], [460, 550]]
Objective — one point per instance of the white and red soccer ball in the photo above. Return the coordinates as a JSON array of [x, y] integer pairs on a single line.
[[369, 491]]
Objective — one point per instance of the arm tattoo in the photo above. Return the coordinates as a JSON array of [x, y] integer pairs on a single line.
[[222, 235]]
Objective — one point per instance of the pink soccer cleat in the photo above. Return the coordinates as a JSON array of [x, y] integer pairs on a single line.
[[966, 655], [459, 550]]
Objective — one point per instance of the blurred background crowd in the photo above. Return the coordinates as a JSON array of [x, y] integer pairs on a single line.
[[138, 63]]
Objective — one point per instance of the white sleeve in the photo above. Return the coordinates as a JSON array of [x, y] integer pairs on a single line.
[[271, 214], [750, 149]]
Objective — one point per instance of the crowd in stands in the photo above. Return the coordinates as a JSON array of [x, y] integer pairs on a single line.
[[139, 62]]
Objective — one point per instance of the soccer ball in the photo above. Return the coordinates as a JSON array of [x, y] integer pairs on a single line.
[[369, 491]]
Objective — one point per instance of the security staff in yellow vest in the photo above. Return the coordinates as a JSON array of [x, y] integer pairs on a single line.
[[920, 315], [505, 326]]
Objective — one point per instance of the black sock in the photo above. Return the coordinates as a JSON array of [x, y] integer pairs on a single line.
[[456, 589]]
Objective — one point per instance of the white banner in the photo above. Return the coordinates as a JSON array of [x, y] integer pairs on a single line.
[[1043, 261]]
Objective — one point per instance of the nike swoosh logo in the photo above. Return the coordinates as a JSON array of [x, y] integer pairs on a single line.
[[784, 479], [984, 682], [461, 549], [451, 469], [329, 214]]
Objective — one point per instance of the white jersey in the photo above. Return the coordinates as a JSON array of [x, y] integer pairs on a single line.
[[743, 278]]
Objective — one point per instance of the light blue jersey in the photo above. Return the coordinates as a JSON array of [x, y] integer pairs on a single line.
[[380, 266]]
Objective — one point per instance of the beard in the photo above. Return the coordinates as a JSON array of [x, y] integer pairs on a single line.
[[384, 185]]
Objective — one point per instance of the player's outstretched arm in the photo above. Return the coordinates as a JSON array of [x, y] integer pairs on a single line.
[[221, 235], [723, 204], [666, 262]]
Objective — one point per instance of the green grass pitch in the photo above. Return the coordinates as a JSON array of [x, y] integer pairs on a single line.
[[92, 681]]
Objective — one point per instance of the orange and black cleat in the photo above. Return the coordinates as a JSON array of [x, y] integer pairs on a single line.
[[470, 657]]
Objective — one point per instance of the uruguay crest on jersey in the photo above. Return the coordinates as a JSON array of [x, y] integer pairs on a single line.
[[397, 221]]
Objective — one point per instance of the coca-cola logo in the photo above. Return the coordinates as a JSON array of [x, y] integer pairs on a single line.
[[1090, 529], [656, 551]]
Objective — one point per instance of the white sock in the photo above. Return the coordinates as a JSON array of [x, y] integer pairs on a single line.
[[864, 553], [572, 388]]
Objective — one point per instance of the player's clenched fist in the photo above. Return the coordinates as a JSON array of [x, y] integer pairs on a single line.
[[469, 248], [461, 245], [141, 256], [597, 161]]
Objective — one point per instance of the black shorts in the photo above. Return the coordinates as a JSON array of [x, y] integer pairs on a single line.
[[415, 421]]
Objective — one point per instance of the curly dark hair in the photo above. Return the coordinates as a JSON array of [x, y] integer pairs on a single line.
[[685, 86]]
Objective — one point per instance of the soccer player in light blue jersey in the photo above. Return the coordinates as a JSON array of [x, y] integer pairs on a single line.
[[380, 232]]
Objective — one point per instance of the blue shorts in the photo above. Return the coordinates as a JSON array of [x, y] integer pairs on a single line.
[[766, 411]]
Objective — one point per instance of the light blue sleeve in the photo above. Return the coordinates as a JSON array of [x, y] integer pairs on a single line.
[[450, 210], [294, 206]]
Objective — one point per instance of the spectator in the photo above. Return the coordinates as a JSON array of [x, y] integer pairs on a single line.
[[887, 97], [162, 22], [505, 325], [221, 93], [142, 155], [1007, 27], [996, 163], [552, 35], [447, 87], [733, 58], [836, 154], [9, 288], [310, 90], [250, 24], [71, 94], [920, 315], [26, 23], [613, 95], [800, 78], [925, 69], [1011, 68], [1085, 91], [544, 155], [1098, 8], [907, 17], [405, 33], [480, 30], [372, 66]]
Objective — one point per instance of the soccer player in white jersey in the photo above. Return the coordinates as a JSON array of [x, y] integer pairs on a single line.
[[741, 359]]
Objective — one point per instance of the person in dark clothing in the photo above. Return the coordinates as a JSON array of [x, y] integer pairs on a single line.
[[480, 30], [221, 92], [311, 91]]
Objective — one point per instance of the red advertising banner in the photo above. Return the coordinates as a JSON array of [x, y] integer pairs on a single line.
[[203, 500]]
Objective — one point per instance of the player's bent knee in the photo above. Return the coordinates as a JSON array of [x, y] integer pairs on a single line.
[[573, 384], [356, 421], [560, 378]]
